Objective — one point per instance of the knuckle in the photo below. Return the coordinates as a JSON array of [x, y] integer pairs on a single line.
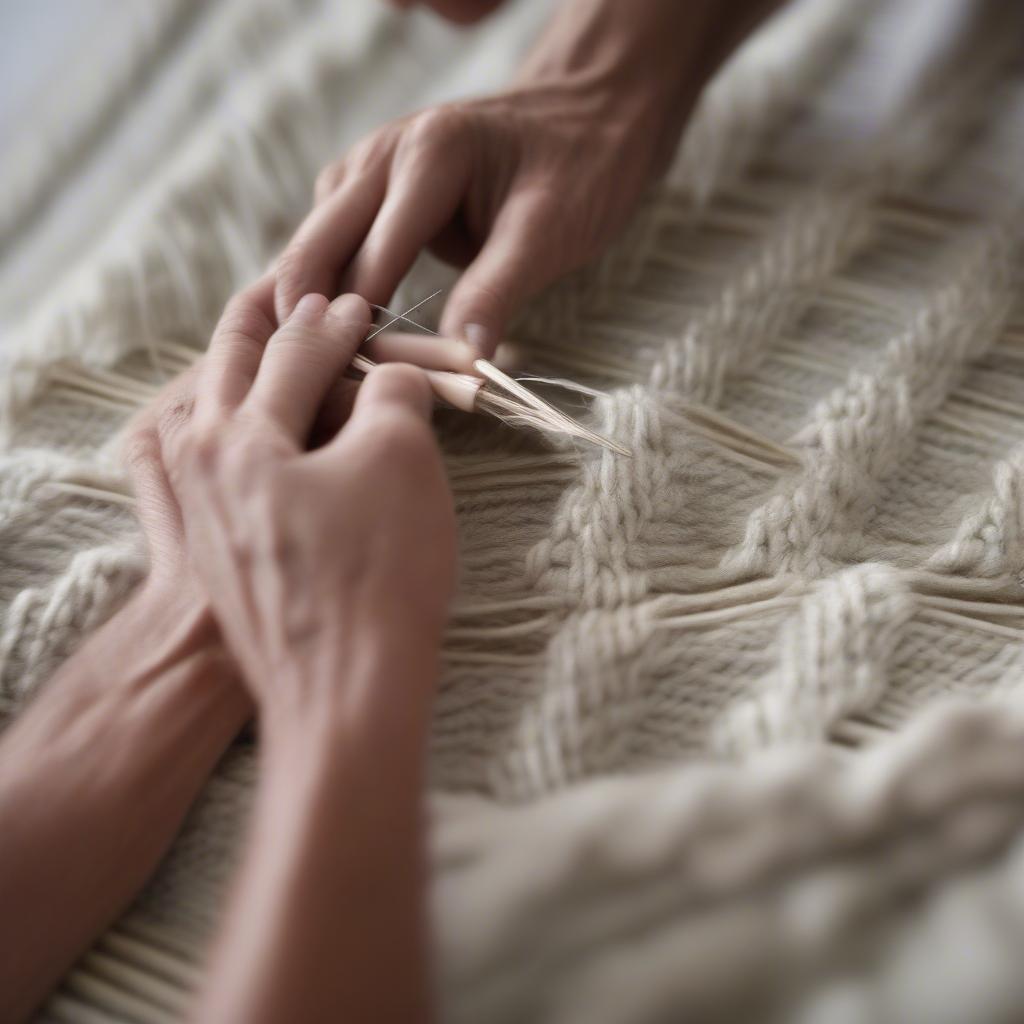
[[437, 127], [327, 180], [242, 317], [546, 198], [480, 301], [371, 150]]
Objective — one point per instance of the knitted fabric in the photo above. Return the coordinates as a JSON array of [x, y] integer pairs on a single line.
[[730, 729]]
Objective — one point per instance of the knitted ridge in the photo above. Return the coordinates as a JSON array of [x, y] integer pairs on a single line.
[[729, 729]]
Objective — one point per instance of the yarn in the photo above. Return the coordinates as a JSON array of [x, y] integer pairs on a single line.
[[732, 723]]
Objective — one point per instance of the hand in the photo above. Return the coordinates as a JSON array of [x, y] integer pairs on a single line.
[[312, 559], [155, 504], [171, 574], [520, 188]]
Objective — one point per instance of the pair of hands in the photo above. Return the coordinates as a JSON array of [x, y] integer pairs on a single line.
[[519, 188], [327, 574], [307, 559], [310, 558], [321, 544]]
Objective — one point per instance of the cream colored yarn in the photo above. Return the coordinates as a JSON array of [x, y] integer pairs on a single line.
[[729, 730]]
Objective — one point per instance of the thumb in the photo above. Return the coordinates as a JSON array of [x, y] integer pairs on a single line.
[[514, 264]]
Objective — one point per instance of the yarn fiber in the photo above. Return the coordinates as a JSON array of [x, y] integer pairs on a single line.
[[731, 729]]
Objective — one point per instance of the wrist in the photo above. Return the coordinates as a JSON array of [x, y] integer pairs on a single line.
[[643, 63], [361, 688], [165, 631], [177, 611]]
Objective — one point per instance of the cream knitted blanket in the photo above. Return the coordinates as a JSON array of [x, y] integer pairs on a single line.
[[729, 729]]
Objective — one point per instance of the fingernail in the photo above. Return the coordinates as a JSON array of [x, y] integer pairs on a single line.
[[480, 338], [309, 307], [349, 307]]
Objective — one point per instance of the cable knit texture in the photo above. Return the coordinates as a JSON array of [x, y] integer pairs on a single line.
[[728, 730]]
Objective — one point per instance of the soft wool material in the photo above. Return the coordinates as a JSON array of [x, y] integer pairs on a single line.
[[730, 728]]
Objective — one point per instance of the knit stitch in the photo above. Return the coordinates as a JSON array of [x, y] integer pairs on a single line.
[[729, 729]]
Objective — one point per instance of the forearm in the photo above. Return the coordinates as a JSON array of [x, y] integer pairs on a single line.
[[647, 59], [96, 778], [328, 918]]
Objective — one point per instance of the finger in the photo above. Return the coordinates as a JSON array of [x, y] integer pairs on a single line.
[[334, 411], [328, 237], [428, 180], [394, 401], [436, 352], [515, 263], [425, 351], [305, 357], [392, 389], [389, 427], [230, 364], [328, 180], [431, 352], [142, 453]]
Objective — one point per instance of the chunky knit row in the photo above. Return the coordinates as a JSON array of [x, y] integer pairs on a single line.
[[685, 752]]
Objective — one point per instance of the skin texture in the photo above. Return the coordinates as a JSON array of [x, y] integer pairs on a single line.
[[123, 737], [302, 541], [332, 598], [326, 569], [119, 742], [521, 187], [264, 514]]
